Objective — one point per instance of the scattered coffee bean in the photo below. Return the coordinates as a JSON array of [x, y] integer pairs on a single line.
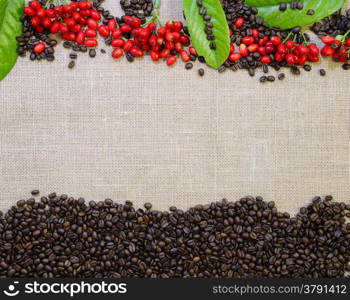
[[71, 65], [307, 68], [92, 53], [281, 76], [263, 79], [73, 55], [189, 66], [200, 72]]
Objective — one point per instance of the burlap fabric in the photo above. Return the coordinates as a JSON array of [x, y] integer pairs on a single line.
[[148, 133]]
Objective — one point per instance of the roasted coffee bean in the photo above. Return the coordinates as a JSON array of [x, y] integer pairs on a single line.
[[188, 66], [212, 45], [201, 72], [323, 72], [281, 76], [283, 6], [263, 79], [346, 66], [307, 68], [73, 55], [92, 53], [295, 70]]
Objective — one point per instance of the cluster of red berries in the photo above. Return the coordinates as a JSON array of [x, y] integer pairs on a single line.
[[337, 48], [273, 49], [165, 42], [77, 21]]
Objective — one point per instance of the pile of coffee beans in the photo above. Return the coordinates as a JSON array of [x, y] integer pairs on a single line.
[[137, 8], [336, 24], [59, 236]]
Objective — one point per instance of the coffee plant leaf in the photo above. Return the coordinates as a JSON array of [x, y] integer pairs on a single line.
[[196, 25], [10, 27], [269, 11]]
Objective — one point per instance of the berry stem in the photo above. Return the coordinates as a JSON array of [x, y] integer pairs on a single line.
[[155, 14], [287, 38]]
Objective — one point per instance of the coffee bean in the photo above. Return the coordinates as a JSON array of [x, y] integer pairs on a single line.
[[71, 65], [92, 53], [73, 55], [307, 68], [281, 76], [35, 192], [201, 72], [188, 66]]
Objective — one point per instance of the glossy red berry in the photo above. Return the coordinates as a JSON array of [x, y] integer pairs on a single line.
[[239, 22], [112, 24], [328, 39], [234, 56], [35, 21], [243, 50], [171, 60], [55, 27], [192, 50], [253, 47], [327, 51], [276, 40], [117, 43], [177, 26], [35, 4], [279, 56], [125, 28], [29, 11], [90, 43], [92, 23], [184, 56], [282, 49], [247, 40], [128, 45], [164, 53], [117, 53], [265, 59], [154, 55], [313, 49], [289, 44], [290, 59], [137, 52], [347, 42], [103, 31], [80, 38], [302, 50], [39, 48], [90, 33]]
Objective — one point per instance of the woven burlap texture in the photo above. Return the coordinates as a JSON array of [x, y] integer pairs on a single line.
[[148, 133]]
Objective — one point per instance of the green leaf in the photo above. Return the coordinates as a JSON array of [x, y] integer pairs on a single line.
[[269, 11], [196, 25], [10, 27]]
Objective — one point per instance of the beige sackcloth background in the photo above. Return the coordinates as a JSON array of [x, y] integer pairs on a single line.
[[148, 133]]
